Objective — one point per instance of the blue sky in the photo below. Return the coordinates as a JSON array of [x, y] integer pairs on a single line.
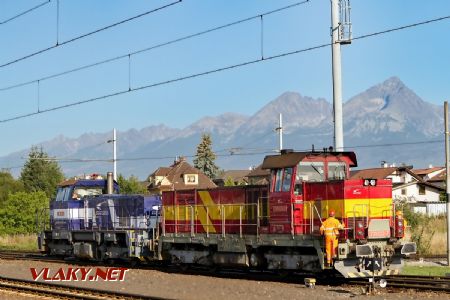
[[419, 57]]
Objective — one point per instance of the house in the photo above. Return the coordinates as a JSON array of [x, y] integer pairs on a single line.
[[239, 177], [179, 176], [439, 180], [429, 173], [259, 176], [407, 186]]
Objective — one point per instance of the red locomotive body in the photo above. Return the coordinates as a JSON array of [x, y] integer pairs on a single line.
[[277, 226]]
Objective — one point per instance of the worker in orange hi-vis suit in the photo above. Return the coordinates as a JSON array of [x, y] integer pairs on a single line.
[[330, 228]]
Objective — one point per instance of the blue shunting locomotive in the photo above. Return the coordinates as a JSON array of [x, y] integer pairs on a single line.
[[88, 219]]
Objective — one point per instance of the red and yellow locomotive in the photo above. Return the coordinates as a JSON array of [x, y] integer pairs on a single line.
[[277, 227]]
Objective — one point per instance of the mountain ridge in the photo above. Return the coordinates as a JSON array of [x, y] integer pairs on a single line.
[[388, 112]]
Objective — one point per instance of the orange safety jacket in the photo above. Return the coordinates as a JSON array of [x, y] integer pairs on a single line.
[[330, 227]]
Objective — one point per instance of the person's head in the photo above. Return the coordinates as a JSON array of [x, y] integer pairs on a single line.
[[331, 213], [399, 213]]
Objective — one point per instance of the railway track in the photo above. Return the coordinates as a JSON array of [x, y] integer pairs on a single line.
[[20, 255], [63, 291], [423, 283], [433, 283]]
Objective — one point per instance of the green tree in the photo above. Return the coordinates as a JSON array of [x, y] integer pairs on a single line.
[[130, 185], [205, 157], [19, 212], [40, 173], [229, 181], [8, 185]]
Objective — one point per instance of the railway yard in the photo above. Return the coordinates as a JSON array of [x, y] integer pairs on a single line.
[[157, 283]]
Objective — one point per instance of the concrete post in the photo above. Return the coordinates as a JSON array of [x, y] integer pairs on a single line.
[[337, 79]]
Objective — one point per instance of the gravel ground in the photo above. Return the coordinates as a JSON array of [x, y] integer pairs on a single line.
[[181, 286]]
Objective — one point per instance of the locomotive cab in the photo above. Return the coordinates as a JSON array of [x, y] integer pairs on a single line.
[[304, 186]]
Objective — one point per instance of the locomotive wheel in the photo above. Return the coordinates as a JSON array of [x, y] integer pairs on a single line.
[[184, 267], [135, 262]]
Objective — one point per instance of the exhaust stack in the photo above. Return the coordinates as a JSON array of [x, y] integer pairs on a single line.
[[109, 183]]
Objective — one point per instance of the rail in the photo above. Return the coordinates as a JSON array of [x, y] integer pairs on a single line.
[[62, 291]]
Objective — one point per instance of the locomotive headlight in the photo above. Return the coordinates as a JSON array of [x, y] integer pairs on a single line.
[[359, 225], [370, 182]]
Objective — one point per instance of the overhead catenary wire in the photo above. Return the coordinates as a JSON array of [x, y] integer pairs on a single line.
[[174, 41], [212, 71], [255, 151], [24, 12], [71, 40]]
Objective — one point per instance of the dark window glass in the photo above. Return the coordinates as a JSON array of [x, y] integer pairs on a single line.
[[287, 179]]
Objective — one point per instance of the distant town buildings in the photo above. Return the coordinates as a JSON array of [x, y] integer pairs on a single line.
[[179, 176]]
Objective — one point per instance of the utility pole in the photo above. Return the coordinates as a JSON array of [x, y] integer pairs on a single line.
[[114, 141], [280, 131], [447, 182], [340, 34]]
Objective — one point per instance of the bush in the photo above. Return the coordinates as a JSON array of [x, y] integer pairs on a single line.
[[421, 230], [18, 215]]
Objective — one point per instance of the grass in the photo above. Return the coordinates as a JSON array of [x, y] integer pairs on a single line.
[[19, 242], [430, 235], [425, 271]]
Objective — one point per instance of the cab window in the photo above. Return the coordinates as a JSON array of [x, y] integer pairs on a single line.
[[336, 170], [311, 171], [277, 180], [63, 194], [287, 178]]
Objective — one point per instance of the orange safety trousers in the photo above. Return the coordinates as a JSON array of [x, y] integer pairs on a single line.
[[331, 243], [330, 229]]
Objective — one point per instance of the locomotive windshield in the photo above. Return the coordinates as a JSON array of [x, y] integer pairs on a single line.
[[310, 171], [69, 193], [336, 170]]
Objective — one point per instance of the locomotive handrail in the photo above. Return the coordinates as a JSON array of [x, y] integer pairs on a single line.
[[189, 214]]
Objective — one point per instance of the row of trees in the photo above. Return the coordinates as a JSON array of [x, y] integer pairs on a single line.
[[21, 198]]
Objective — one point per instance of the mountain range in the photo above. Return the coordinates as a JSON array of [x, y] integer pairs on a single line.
[[376, 121]]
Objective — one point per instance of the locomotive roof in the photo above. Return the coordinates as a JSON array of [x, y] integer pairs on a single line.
[[293, 158], [84, 182]]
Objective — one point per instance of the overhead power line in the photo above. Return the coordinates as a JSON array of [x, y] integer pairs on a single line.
[[212, 71], [174, 41], [254, 151], [396, 144], [88, 34], [24, 12]]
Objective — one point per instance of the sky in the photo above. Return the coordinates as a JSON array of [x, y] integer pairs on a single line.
[[418, 56]]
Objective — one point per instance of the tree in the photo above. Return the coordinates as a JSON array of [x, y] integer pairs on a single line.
[[205, 157], [130, 185], [40, 173], [229, 181], [19, 212], [8, 185]]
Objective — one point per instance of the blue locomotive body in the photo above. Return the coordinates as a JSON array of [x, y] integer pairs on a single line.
[[85, 222]]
